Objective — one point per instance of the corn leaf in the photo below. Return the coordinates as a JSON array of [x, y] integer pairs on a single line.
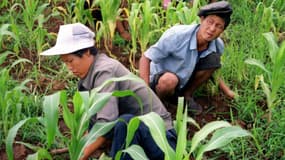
[[132, 127], [273, 47], [50, 108], [257, 63], [221, 138], [67, 115], [157, 129], [97, 130], [205, 131], [136, 152], [12, 134], [39, 155], [100, 99], [182, 137]]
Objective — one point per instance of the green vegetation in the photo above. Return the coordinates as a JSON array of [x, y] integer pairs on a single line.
[[254, 38]]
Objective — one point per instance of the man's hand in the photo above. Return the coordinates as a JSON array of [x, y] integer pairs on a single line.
[[93, 147], [228, 92]]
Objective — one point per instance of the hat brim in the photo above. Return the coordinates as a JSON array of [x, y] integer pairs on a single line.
[[61, 50]]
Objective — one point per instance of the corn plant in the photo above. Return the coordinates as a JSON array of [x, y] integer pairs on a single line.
[[273, 72], [15, 28], [110, 12], [31, 13], [5, 32], [82, 14], [4, 3], [188, 15], [133, 21], [223, 133], [149, 23], [144, 23], [85, 104], [264, 17], [13, 100], [181, 14]]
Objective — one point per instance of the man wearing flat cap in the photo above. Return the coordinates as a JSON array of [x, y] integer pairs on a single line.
[[186, 56]]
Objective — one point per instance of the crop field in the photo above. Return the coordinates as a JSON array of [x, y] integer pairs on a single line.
[[43, 116]]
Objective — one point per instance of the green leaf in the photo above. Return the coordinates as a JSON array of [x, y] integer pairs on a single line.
[[221, 138], [136, 152], [257, 63], [50, 108], [130, 77], [99, 101], [39, 155], [77, 104], [205, 131], [12, 134], [179, 114], [96, 131], [182, 137], [3, 56], [273, 47], [266, 91], [157, 129], [132, 127], [67, 115], [129, 93], [21, 60]]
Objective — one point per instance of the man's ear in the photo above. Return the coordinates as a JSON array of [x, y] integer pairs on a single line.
[[202, 18]]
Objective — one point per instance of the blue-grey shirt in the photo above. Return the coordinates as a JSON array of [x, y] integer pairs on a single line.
[[176, 51]]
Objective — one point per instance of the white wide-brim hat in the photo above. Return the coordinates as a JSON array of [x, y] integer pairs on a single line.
[[71, 38]]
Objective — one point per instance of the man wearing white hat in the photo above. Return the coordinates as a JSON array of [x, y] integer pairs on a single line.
[[75, 45]]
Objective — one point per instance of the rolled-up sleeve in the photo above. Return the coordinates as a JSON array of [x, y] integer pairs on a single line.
[[163, 47]]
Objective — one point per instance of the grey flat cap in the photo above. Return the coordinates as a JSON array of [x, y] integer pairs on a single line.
[[221, 7]]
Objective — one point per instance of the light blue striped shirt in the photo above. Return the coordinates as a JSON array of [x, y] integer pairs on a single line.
[[176, 51]]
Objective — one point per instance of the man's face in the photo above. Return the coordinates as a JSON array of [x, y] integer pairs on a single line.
[[211, 27], [79, 66]]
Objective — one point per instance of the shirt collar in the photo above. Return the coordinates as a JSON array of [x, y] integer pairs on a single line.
[[193, 41], [193, 38]]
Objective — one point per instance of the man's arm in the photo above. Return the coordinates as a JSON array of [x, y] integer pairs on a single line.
[[226, 89], [144, 68], [93, 147]]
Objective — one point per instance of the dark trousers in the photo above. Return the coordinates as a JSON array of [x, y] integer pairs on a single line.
[[142, 138]]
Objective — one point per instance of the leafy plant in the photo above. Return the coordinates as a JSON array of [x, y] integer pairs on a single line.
[[273, 72], [82, 14], [223, 133], [15, 103], [4, 31], [85, 105], [110, 12]]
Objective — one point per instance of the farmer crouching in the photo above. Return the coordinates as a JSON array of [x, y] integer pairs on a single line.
[[75, 45]]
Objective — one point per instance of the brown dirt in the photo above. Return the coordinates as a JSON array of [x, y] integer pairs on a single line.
[[20, 152]]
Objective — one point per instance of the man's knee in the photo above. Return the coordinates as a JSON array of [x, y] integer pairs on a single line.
[[167, 82]]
